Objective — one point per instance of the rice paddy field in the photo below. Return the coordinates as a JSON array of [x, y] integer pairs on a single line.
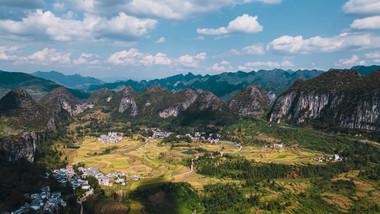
[[154, 160]]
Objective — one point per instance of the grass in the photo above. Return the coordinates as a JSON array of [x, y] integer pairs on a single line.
[[189, 152], [144, 182], [286, 155], [135, 207]]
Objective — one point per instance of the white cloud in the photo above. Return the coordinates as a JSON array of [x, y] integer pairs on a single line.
[[160, 40], [124, 27], [223, 66], [255, 49], [287, 63], [136, 58], [367, 23], [166, 9], [343, 42], [85, 58], [249, 66], [216, 67], [7, 53], [46, 26], [224, 62], [45, 57], [354, 60], [162, 59], [191, 61], [242, 24], [374, 56], [362, 7]]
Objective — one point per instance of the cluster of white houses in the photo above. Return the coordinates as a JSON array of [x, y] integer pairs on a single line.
[[45, 201], [336, 157], [158, 134], [67, 174], [211, 138], [104, 180], [276, 146], [112, 137]]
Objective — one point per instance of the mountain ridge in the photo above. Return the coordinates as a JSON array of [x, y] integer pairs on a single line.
[[335, 99], [75, 81], [35, 86]]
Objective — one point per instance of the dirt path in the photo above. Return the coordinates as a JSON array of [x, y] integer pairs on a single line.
[[233, 144]]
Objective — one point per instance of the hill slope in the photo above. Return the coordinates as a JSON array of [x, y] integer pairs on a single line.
[[72, 81], [36, 87], [183, 107], [337, 98], [19, 111]]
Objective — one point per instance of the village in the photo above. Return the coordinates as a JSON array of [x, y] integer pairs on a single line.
[[43, 201], [158, 134], [112, 137], [336, 157], [52, 202]]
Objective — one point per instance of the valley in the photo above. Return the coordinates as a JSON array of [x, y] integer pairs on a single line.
[[159, 151]]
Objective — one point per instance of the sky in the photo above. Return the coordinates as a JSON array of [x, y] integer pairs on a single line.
[[147, 39]]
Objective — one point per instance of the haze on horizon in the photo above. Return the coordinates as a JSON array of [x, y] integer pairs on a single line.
[[146, 39]]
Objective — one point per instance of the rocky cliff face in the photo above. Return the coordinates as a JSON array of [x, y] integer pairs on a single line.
[[182, 100], [341, 98], [252, 100], [157, 102], [23, 147], [128, 102], [61, 99]]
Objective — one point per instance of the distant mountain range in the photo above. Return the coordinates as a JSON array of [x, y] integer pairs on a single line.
[[36, 87], [75, 81], [223, 85]]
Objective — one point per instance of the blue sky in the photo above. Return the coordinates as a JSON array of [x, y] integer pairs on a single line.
[[146, 39]]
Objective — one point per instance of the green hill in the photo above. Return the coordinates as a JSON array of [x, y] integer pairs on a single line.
[[36, 87]]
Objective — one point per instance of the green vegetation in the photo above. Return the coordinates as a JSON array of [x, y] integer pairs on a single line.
[[246, 131], [37, 87]]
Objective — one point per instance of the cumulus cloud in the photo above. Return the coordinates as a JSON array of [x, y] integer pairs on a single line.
[[45, 25], [191, 61], [343, 42], [223, 66], [166, 9], [86, 58], [255, 49], [374, 56], [363, 7], [46, 56], [354, 60], [160, 40], [134, 57], [367, 23], [242, 24], [7, 53], [249, 66]]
